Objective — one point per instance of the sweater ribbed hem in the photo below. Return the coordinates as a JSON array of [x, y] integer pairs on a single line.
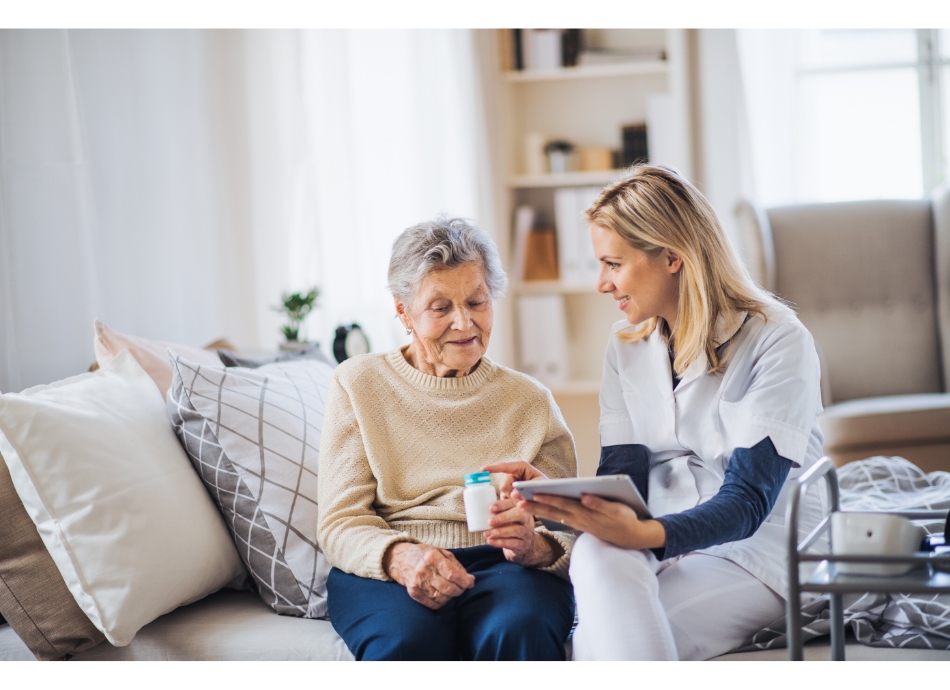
[[397, 360], [444, 535]]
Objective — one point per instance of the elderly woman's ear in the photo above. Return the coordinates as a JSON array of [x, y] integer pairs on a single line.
[[403, 315]]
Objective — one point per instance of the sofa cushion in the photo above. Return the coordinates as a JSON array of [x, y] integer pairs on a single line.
[[891, 420], [152, 355], [253, 437], [229, 626], [114, 499], [868, 295], [34, 598]]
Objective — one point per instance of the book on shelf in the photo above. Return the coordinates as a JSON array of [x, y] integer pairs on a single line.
[[540, 49], [635, 143], [576, 260], [542, 331], [540, 261], [517, 43], [506, 49], [524, 223]]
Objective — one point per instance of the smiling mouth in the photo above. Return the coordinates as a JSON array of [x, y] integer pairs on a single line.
[[624, 301], [462, 343]]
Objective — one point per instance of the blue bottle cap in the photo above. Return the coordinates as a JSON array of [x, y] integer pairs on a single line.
[[477, 478]]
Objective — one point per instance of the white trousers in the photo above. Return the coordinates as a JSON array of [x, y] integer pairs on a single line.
[[632, 607]]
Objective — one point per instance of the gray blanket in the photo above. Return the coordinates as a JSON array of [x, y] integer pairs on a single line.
[[881, 620]]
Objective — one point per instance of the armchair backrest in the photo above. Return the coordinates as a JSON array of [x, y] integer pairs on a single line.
[[863, 277]]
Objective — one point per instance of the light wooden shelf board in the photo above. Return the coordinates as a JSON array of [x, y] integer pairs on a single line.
[[570, 179], [578, 388], [617, 69], [553, 287]]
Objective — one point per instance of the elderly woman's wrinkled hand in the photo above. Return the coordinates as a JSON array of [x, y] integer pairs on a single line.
[[512, 530], [430, 575]]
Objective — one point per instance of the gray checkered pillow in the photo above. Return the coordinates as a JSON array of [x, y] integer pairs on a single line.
[[253, 436]]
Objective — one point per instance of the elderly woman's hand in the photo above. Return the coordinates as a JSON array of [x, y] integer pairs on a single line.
[[512, 530], [431, 575]]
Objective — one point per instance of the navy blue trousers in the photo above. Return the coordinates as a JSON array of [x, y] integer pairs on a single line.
[[511, 613]]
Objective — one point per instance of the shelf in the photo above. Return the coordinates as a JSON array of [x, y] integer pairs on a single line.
[[552, 287], [571, 179], [923, 579], [577, 388], [617, 69]]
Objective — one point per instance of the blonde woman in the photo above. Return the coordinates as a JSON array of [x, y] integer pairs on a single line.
[[710, 400]]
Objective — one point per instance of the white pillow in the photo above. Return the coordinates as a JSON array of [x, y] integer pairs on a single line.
[[120, 509]]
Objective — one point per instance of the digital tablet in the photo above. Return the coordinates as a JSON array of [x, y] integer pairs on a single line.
[[613, 487]]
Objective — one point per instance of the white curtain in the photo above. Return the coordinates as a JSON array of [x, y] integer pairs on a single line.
[[725, 169], [393, 123], [768, 61], [174, 183]]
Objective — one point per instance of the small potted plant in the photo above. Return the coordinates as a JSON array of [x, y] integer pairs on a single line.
[[296, 306]]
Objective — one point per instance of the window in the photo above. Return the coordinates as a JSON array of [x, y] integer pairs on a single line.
[[848, 114]]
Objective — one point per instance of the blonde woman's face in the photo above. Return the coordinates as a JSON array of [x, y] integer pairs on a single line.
[[451, 318], [643, 286]]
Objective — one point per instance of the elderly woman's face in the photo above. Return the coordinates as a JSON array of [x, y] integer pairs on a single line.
[[451, 318]]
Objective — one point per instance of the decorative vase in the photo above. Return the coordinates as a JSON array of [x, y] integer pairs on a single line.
[[294, 345]]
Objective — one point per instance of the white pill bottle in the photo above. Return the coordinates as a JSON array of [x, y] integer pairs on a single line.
[[479, 494]]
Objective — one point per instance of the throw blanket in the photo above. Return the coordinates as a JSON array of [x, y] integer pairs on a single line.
[[881, 620]]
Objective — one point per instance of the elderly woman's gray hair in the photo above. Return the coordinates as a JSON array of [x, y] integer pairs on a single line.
[[442, 243]]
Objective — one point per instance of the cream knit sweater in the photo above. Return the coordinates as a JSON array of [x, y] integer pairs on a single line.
[[396, 443]]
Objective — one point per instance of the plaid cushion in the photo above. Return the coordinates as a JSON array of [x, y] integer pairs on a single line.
[[253, 436]]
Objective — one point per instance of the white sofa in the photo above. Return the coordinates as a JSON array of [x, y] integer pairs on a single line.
[[231, 625]]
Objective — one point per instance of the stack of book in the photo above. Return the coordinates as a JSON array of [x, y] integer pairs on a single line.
[[545, 49], [542, 331], [576, 261], [539, 49]]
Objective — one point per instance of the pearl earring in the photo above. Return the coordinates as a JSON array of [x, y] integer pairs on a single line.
[[408, 331]]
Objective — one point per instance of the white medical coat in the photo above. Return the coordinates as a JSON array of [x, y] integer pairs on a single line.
[[769, 388]]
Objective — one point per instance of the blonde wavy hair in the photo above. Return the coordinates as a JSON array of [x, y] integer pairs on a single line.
[[655, 208]]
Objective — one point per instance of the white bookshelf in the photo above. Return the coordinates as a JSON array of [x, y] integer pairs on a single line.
[[587, 106], [569, 179], [619, 69]]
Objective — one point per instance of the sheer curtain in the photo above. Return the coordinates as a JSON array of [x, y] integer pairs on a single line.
[[393, 122], [174, 183]]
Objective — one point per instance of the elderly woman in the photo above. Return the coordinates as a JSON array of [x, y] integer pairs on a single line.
[[401, 430]]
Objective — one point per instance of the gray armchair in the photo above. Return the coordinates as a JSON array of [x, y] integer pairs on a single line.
[[871, 281]]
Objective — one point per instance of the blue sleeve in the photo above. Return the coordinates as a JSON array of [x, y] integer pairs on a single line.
[[628, 458], [753, 481]]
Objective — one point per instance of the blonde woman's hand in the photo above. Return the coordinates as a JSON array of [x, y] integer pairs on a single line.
[[430, 575], [609, 521], [514, 471]]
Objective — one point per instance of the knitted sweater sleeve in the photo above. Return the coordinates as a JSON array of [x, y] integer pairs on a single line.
[[353, 537], [557, 458]]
